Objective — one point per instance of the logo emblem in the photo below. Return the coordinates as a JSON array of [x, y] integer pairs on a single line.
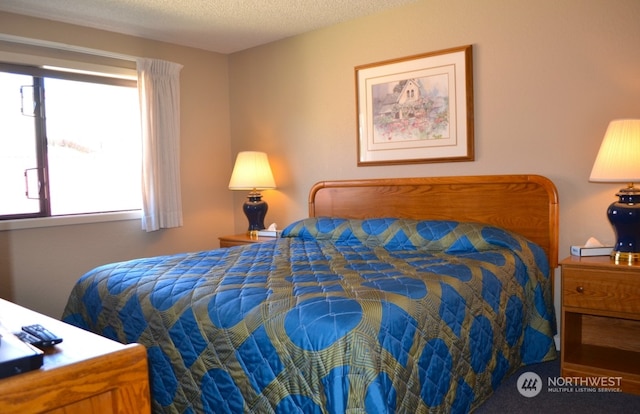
[[529, 384]]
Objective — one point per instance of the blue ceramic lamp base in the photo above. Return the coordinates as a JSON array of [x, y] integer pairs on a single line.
[[255, 209], [624, 216]]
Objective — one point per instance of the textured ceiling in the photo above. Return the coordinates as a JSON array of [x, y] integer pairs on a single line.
[[223, 26]]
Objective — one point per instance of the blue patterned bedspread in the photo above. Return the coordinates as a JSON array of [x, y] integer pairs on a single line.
[[376, 316]]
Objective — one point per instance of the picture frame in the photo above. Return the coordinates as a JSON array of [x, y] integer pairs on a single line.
[[416, 109]]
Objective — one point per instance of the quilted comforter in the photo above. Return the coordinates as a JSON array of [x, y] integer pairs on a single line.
[[337, 316]]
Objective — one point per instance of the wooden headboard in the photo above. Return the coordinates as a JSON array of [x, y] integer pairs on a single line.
[[526, 204]]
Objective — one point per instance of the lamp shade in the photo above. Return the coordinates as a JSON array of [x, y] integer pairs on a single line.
[[251, 171], [619, 157]]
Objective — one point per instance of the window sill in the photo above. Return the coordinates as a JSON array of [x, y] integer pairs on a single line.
[[69, 220]]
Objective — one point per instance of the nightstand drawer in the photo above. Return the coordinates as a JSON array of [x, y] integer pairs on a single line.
[[601, 290]]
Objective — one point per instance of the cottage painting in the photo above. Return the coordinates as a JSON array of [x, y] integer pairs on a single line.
[[411, 109], [416, 109]]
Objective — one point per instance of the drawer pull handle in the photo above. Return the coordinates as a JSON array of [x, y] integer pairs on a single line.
[[580, 289]]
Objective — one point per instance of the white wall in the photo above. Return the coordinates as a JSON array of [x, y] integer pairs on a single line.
[[39, 266], [549, 76]]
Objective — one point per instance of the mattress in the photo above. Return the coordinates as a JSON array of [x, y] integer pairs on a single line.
[[382, 315]]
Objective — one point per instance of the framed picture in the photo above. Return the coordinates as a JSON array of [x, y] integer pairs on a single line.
[[417, 109]]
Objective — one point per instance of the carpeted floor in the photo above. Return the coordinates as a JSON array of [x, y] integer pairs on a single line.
[[565, 400]]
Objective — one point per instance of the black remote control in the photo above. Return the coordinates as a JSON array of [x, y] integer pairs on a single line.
[[39, 336]]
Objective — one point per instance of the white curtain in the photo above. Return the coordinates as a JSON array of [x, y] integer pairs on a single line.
[[159, 89]]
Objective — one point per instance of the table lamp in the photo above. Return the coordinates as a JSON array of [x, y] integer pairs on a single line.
[[618, 161], [252, 172]]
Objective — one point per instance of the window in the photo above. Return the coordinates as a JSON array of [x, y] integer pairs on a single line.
[[69, 143]]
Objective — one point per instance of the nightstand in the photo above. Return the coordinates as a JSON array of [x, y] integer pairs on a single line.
[[601, 320], [241, 239], [85, 373]]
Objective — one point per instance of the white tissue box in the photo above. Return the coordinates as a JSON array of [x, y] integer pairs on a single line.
[[269, 233], [591, 251]]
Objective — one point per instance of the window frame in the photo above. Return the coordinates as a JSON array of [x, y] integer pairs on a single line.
[[43, 218]]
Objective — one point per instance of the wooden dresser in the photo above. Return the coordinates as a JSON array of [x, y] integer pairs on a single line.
[[86, 373], [601, 320]]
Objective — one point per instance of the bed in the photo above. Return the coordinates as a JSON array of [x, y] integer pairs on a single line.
[[394, 295]]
